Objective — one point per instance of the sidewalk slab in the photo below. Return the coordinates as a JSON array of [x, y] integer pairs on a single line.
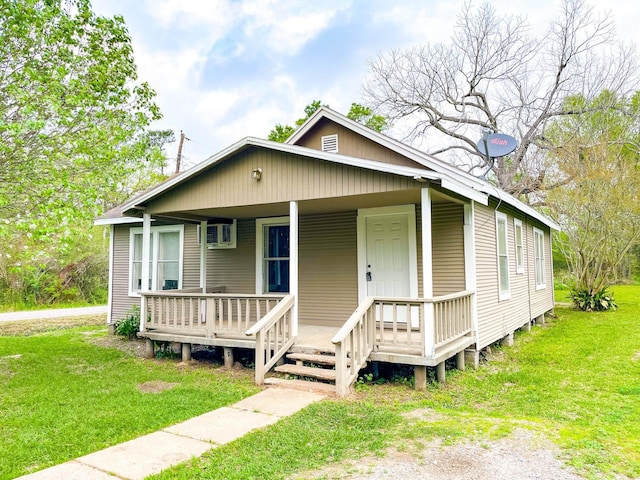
[[222, 425], [281, 402], [144, 456], [69, 471]]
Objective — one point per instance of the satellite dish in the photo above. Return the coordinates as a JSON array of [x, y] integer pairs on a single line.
[[498, 145]]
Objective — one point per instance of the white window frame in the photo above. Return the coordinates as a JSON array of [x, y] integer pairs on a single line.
[[233, 229], [155, 238], [260, 224], [502, 294], [539, 259], [517, 227]]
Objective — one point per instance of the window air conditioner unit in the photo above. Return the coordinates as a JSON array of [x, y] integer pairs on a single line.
[[220, 234]]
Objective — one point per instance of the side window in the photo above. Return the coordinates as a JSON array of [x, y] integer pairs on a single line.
[[165, 258], [517, 230], [538, 248], [503, 257]]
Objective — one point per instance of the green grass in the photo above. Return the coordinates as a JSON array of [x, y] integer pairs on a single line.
[[62, 397], [576, 380]]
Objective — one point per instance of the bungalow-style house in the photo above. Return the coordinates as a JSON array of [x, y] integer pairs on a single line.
[[339, 247]]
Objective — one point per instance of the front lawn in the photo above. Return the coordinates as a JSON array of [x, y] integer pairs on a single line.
[[62, 396], [576, 380]]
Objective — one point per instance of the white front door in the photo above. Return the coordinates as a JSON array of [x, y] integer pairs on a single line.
[[387, 273]]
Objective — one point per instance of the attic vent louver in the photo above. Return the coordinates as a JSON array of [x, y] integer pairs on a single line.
[[330, 143]]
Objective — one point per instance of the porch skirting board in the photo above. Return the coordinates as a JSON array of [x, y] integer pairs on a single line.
[[215, 341], [442, 354]]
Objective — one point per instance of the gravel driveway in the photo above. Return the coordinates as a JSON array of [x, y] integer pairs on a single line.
[[523, 455]]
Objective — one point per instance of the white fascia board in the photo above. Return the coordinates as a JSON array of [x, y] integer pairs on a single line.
[[523, 207], [465, 191], [117, 221]]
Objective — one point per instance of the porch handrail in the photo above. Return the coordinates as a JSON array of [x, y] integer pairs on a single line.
[[274, 336], [418, 324], [354, 342], [203, 314]]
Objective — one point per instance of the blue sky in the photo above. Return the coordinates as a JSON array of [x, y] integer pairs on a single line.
[[226, 69]]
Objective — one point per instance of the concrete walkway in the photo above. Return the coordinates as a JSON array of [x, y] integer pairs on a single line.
[[157, 451], [53, 313]]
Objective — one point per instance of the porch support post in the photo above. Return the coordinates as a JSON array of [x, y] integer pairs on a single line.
[[293, 264], [420, 377], [146, 259], [186, 352], [470, 261], [203, 256], [427, 274], [441, 376]]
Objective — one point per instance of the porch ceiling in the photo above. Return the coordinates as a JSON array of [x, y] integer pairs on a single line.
[[312, 207]]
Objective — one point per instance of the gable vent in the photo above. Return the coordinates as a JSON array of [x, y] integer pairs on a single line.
[[330, 143]]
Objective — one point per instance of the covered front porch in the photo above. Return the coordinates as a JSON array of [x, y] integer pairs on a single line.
[[420, 332], [385, 276]]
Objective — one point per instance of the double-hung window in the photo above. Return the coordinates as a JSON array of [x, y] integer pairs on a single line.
[[517, 230], [538, 248], [165, 258], [272, 253], [504, 290]]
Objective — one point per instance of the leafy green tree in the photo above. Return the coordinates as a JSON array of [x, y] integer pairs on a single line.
[[72, 127], [367, 117], [598, 205], [357, 112]]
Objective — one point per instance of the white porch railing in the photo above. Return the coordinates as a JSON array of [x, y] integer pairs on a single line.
[[399, 325], [274, 336], [203, 314]]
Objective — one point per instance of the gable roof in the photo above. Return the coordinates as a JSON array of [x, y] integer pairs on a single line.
[[449, 177], [220, 157], [428, 161]]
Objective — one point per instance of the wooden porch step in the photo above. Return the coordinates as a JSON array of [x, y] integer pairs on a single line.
[[311, 372], [302, 385], [313, 358]]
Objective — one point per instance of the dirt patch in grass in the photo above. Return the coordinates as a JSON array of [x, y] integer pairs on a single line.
[[156, 386], [25, 328], [524, 455], [134, 347]]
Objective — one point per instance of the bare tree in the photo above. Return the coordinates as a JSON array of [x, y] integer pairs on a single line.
[[495, 74]]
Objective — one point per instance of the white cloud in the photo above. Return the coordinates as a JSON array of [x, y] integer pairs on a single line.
[[183, 14]]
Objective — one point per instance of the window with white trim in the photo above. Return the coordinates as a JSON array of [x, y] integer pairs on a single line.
[[272, 253], [165, 258], [538, 248], [517, 231], [504, 289]]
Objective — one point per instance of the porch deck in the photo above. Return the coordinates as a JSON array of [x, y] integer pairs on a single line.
[[419, 332]]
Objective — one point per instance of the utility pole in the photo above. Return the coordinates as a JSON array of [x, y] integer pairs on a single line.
[[179, 156]]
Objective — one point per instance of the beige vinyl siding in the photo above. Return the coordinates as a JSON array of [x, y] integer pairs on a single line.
[[235, 268], [285, 177], [121, 302], [191, 257], [352, 144], [328, 289], [497, 318], [447, 238], [541, 300]]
